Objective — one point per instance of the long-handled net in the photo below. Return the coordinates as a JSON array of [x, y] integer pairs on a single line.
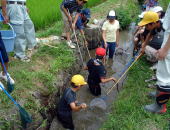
[[100, 101], [25, 117]]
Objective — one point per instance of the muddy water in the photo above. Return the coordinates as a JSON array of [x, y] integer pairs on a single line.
[[93, 118]]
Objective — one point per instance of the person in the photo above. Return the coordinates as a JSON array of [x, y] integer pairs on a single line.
[[163, 73], [153, 40], [83, 19], [6, 61], [16, 12], [68, 102], [150, 4], [68, 7], [97, 72], [110, 33]]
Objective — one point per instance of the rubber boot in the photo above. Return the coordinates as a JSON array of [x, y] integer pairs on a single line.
[[155, 108], [152, 94]]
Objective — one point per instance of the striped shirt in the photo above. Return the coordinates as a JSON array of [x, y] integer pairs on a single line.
[[72, 6]]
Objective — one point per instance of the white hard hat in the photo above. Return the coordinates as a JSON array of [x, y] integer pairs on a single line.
[[112, 13], [141, 15], [157, 9]]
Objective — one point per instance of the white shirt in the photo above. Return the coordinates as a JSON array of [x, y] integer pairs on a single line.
[[163, 69]]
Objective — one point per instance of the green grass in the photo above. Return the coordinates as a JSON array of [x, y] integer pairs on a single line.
[[127, 111], [36, 76]]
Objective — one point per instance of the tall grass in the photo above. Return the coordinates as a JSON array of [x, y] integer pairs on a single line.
[[45, 12]]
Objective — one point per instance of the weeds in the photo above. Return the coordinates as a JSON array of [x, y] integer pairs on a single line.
[[127, 112]]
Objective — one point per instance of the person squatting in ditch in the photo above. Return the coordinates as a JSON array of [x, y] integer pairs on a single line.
[[68, 102], [97, 72], [163, 69]]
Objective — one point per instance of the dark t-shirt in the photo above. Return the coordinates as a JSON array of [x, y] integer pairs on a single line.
[[71, 5], [68, 97], [157, 37], [96, 71]]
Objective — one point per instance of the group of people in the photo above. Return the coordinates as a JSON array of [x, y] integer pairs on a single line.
[[152, 32], [75, 18], [152, 36]]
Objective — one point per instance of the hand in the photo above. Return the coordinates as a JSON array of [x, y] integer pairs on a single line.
[[162, 53], [28, 10], [70, 18], [73, 26], [86, 43], [83, 106], [114, 80], [143, 49], [6, 19], [105, 45]]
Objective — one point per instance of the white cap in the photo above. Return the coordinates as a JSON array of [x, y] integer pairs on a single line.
[[141, 15], [112, 13], [157, 9]]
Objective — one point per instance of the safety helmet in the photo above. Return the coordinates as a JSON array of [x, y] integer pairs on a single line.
[[85, 0], [78, 80], [111, 15], [157, 9], [100, 51], [149, 17]]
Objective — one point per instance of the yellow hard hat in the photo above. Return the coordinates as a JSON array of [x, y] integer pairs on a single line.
[[78, 80], [85, 0], [149, 17]]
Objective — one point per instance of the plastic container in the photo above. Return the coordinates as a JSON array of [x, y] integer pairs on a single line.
[[8, 36]]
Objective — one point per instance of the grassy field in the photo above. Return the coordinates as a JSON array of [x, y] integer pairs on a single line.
[[127, 112], [46, 12], [37, 76]]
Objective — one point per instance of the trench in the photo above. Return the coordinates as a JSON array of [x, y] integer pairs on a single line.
[[93, 118]]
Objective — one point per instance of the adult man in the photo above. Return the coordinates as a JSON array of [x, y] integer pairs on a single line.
[[68, 102], [15, 12], [97, 72], [68, 7], [163, 69]]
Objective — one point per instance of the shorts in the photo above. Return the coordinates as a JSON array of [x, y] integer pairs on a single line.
[[95, 88], [3, 51], [66, 22]]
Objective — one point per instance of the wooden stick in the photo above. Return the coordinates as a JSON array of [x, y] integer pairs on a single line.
[[124, 74]]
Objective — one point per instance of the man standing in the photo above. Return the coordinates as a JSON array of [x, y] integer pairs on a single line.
[[68, 102], [15, 12], [68, 7]]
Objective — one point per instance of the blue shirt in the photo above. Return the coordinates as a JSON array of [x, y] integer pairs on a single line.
[[79, 23], [71, 5]]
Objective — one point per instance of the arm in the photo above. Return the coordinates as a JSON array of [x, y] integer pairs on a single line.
[[4, 11], [162, 53], [146, 42], [104, 38], [75, 20], [117, 37], [67, 13], [77, 108], [104, 80]]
